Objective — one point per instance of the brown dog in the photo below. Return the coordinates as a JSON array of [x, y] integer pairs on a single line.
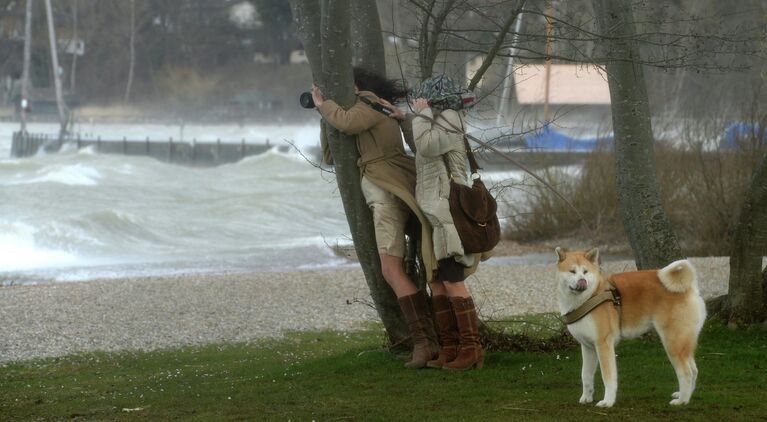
[[666, 300]]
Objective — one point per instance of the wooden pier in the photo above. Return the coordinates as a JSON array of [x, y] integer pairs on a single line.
[[170, 151]]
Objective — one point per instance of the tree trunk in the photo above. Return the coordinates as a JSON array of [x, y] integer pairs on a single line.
[[368, 46], [650, 235], [132, 63], [747, 300], [325, 37], [56, 74], [25, 101]]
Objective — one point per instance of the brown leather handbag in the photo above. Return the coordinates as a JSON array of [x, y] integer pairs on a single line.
[[473, 209]]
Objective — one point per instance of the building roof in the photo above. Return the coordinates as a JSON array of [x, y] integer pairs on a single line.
[[568, 84]]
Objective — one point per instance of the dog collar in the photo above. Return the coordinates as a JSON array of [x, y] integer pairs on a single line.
[[608, 294]]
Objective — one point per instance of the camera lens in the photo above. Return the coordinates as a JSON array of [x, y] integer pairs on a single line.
[[306, 100]]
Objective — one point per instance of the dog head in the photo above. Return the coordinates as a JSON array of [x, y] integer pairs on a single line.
[[577, 272]]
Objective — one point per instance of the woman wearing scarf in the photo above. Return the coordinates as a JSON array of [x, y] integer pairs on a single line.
[[441, 156]]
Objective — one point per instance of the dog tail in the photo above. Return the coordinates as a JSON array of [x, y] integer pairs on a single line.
[[678, 277]]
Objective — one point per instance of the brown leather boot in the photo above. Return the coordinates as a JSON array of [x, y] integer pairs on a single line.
[[425, 347], [470, 352], [447, 330]]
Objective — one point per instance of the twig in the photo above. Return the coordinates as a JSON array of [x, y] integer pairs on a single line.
[[598, 413], [307, 159]]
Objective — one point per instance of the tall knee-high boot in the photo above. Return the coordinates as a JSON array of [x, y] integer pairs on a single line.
[[446, 329], [470, 352], [425, 347]]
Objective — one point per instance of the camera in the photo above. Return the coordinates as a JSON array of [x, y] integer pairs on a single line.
[[306, 100], [380, 108]]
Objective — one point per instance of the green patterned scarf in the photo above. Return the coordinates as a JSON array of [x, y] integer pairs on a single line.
[[444, 93]]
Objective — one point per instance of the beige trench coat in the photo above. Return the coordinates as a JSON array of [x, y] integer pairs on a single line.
[[382, 159]]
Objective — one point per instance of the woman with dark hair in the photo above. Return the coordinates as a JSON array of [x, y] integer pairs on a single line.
[[388, 184], [441, 158]]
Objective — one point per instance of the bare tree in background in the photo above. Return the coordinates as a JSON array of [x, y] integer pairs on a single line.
[[325, 32], [74, 43], [63, 118], [132, 57], [25, 76]]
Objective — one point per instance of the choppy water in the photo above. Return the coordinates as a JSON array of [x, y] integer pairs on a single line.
[[77, 215]]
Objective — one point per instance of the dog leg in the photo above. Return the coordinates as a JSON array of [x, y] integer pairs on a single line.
[[681, 353], [694, 368], [683, 371], [589, 368], [608, 367]]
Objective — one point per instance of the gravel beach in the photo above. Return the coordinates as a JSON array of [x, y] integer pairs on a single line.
[[154, 313]]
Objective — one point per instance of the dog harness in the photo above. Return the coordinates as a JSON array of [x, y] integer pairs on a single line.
[[609, 293]]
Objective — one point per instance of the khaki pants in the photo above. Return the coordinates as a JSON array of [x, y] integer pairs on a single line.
[[390, 215]]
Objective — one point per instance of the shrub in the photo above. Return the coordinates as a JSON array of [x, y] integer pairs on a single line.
[[701, 188]]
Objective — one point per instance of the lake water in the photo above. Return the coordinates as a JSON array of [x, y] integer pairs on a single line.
[[77, 215]]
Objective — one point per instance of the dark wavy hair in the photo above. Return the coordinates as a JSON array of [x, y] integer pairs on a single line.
[[391, 90]]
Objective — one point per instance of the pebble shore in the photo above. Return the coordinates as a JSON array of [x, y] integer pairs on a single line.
[[154, 313]]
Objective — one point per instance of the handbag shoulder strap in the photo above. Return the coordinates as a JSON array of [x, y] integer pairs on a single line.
[[469, 153]]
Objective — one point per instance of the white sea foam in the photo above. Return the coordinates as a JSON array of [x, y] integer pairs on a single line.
[[19, 251], [72, 175], [73, 216]]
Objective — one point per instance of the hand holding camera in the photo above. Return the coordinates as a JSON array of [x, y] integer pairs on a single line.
[[311, 99], [419, 104]]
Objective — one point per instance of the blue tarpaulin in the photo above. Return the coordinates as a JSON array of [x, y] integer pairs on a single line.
[[737, 132], [548, 139]]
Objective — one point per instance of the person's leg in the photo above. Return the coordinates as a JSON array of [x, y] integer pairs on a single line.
[[457, 289], [470, 352], [446, 325], [394, 274], [390, 216], [437, 288]]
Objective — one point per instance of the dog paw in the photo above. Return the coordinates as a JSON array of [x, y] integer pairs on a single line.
[[675, 395], [677, 402], [586, 399], [606, 403]]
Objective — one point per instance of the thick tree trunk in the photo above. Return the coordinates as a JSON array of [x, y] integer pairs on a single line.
[[747, 300], [328, 48], [650, 235], [367, 37]]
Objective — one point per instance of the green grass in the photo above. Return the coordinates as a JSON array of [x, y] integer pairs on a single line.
[[347, 376]]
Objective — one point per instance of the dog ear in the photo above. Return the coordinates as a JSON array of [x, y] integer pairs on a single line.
[[593, 256], [561, 252]]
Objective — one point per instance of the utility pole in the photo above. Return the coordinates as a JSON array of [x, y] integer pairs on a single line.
[[24, 106]]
